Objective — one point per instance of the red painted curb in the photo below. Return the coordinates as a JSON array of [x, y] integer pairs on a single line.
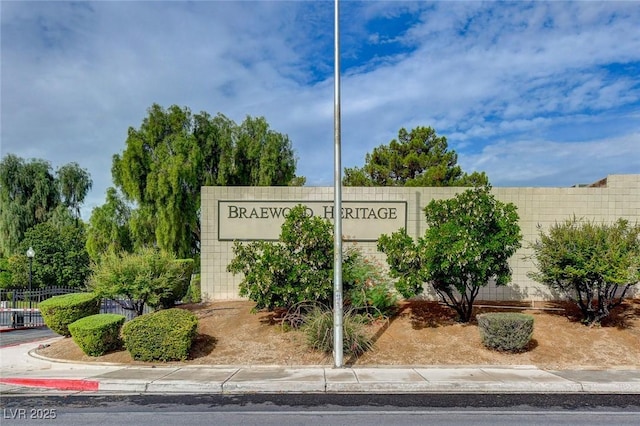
[[60, 384]]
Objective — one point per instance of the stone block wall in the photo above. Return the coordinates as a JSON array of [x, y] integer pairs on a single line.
[[619, 197]]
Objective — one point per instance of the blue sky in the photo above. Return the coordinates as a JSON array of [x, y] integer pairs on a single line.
[[533, 93]]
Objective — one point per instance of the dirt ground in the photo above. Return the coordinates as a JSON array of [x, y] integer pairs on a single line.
[[423, 333]]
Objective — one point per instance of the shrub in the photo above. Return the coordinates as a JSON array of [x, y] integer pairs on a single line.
[[97, 334], [505, 331], [367, 287], [165, 335], [467, 244], [318, 329], [194, 293], [150, 277], [298, 268], [180, 285], [591, 264], [60, 311]]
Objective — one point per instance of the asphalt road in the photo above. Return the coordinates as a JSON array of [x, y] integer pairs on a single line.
[[15, 337], [280, 402], [336, 409]]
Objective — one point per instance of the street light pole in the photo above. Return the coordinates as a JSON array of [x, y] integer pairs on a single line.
[[30, 254], [337, 215]]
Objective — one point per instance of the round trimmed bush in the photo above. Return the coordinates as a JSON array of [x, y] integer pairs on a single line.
[[165, 335], [97, 334], [60, 311], [505, 331]]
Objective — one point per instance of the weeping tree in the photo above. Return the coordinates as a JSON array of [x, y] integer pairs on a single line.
[[30, 194], [109, 227], [74, 184], [174, 152]]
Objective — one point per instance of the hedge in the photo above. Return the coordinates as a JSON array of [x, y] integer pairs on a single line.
[[97, 334], [165, 335], [60, 311]]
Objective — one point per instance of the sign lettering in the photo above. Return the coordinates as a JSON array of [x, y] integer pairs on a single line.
[[262, 220]]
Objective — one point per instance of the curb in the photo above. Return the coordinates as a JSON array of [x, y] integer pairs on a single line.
[[33, 354], [59, 384], [319, 379]]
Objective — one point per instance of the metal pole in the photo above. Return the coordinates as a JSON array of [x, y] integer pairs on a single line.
[[30, 254], [337, 209], [30, 275]]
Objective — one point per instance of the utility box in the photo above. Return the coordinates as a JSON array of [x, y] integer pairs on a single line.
[[17, 319]]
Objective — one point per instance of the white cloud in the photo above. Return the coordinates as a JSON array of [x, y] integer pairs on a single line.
[[508, 83], [546, 162]]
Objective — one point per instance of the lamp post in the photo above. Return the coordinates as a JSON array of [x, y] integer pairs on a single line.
[[30, 254], [337, 191]]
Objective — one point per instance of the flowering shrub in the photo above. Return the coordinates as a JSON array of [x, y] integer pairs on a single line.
[[468, 243], [299, 268]]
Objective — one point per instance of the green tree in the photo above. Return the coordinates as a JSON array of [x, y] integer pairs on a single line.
[[62, 216], [28, 195], [74, 184], [262, 157], [468, 243], [109, 228], [143, 228], [159, 170], [61, 258], [149, 277], [174, 153], [6, 279], [592, 264], [416, 158], [298, 181]]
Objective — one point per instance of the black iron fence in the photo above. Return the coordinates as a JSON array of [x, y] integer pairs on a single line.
[[111, 306], [20, 297], [19, 307]]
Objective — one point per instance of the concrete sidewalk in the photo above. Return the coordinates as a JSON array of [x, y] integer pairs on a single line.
[[23, 370]]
